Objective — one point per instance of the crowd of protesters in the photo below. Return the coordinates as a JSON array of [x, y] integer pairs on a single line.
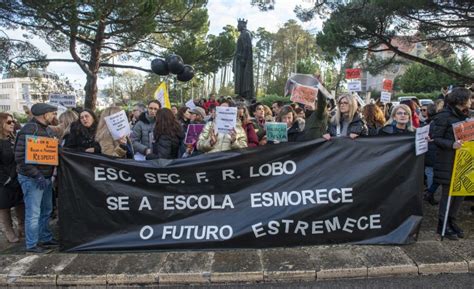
[[159, 133]]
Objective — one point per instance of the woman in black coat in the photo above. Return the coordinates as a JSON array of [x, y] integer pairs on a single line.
[[10, 190], [346, 121], [399, 121], [457, 109], [82, 133], [168, 137]]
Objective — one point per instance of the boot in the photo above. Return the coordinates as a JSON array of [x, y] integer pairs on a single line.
[[20, 216], [449, 233], [455, 227], [6, 221]]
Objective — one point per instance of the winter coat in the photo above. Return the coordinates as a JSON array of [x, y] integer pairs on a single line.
[[252, 138], [443, 136], [357, 126], [81, 138], [316, 124], [391, 129], [167, 147], [33, 127], [223, 140], [259, 127], [142, 133], [7, 161], [113, 148], [430, 155], [373, 130]]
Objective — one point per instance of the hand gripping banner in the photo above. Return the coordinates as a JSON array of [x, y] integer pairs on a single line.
[[363, 191]]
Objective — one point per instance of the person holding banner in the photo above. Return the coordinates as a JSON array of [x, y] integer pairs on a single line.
[[168, 137], [142, 132], [247, 125], [346, 121], [294, 127], [35, 180], [458, 103], [374, 118], [10, 190], [121, 147], [399, 121], [81, 135]]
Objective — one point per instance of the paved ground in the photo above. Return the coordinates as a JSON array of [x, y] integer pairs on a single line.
[[270, 267]]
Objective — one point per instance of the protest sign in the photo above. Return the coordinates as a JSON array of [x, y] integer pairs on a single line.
[[294, 194], [304, 94], [354, 85], [306, 80], [67, 100], [387, 85], [190, 104], [41, 150], [226, 119], [353, 73], [276, 131], [193, 132], [118, 125], [385, 96], [464, 130], [462, 181], [421, 140]]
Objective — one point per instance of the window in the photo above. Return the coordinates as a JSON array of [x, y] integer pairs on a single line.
[[7, 85], [4, 107], [4, 96]]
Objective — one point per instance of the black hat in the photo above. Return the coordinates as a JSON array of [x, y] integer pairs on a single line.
[[41, 108]]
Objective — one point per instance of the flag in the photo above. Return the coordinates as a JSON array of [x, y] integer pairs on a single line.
[[161, 94], [462, 180]]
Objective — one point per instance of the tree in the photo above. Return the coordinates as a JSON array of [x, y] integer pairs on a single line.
[[96, 31], [373, 25]]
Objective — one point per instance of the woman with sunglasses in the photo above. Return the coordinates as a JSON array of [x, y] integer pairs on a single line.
[[10, 190], [347, 121], [399, 122]]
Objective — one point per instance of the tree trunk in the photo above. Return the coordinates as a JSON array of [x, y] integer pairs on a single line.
[[214, 83], [258, 76], [91, 92]]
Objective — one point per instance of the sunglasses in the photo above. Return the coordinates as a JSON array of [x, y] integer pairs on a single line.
[[9, 122], [423, 109]]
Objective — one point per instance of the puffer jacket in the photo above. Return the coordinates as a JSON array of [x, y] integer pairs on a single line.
[[167, 147], [142, 133], [223, 140], [81, 138], [7, 161], [444, 139], [356, 126], [33, 127]]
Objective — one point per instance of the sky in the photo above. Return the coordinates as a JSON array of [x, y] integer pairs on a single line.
[[221, 13]]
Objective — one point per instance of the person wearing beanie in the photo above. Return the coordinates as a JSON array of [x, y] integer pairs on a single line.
[[35, 181], [200, 115]]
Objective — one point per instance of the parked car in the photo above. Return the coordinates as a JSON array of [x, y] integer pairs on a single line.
[[425, 101]]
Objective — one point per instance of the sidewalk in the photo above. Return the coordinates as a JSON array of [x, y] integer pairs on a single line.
[[428, 256]]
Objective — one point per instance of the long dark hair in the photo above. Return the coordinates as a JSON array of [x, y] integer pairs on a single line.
[[166, 124], [91, 130]]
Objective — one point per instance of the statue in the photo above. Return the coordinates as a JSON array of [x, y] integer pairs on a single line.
[[243, 63]]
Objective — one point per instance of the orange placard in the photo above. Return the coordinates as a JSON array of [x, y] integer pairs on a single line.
[[464, 130], [304, 94], [353, 73], [387, 85], [41, 150]]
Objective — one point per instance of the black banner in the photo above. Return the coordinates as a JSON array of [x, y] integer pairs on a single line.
[[364, 191]]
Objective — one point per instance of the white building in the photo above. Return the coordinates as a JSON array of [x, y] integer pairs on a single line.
[[18, 92]]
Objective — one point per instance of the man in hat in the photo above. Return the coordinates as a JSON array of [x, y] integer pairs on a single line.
[[35, 180], [200, 115]]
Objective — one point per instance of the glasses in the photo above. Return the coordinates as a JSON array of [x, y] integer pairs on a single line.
[[401, 113], [9, 122], [424, 109]]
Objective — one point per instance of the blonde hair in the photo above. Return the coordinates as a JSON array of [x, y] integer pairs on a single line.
[[102, 129], [407, 109], [352, 108], [65, 121]]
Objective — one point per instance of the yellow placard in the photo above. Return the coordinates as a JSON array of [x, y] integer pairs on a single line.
[[462, 180], [161, 94], [41, 150]]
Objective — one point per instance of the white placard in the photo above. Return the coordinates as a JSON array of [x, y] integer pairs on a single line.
[[190, 104], [226, 119], [421, 140], [61, 109], [385, 97], [118, 125], [67, 100], [359, 99], [354, 85]]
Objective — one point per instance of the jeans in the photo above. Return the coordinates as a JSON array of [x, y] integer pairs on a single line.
[[38, 208], [429, 176]]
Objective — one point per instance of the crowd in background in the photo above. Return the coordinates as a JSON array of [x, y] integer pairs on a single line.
[[158, 132]]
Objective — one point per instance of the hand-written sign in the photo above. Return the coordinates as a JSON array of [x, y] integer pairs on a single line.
[[41, 150], [464, 130], [226, 119], [354, 85], [193, 132], [304, 94], [385, 96], [353, 73], [276, 131], [67, 100], [118, 125], [421, 140]]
